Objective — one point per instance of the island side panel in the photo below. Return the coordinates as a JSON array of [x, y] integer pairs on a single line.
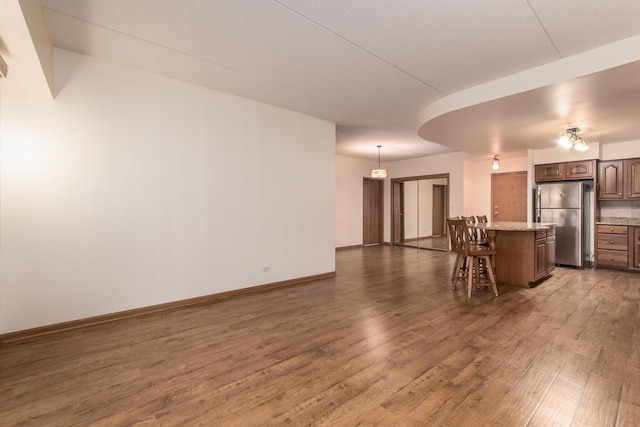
[[515, 257]]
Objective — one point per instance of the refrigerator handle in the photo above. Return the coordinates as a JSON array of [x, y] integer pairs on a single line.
[[538, 207]]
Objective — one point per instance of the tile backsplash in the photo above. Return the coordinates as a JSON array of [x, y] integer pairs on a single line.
[[620, 208]]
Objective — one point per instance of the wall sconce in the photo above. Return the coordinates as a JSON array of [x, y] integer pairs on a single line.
[[495, 163], [379, 173]]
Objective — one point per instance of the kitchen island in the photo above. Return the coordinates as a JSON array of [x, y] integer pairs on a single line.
[[525, 251]]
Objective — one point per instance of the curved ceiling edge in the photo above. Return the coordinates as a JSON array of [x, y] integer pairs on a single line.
[[599, 59]]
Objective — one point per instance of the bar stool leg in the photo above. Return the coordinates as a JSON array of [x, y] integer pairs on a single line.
[[470, 264], [492, 277]]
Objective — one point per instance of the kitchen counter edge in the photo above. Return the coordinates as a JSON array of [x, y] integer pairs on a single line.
[[518, 226], [619, 221]]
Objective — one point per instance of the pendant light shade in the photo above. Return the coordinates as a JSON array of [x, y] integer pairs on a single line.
[[379, 173], [495, 163]]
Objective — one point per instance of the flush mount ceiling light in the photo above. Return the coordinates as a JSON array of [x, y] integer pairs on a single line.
[[379, 173], [495, 163], [570, 139]]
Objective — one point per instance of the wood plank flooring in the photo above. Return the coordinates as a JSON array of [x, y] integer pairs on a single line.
[[386, 342]]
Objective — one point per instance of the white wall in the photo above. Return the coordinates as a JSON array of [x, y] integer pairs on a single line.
[[620, 150], [559, 154], [131, 189]]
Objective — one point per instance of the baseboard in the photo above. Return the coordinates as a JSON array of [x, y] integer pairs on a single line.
[[342, 248], [15, 337]]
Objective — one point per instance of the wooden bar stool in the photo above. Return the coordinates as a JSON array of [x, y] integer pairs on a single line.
[[471, 252], [483, 239]]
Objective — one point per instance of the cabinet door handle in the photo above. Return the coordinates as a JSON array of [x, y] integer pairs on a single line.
[[611, 258], [611, 242]]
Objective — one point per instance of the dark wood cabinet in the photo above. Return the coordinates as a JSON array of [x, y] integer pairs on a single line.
[[610, 180], [523, 258], [545, 252], [634, 248], [551, 254], [565, 171], [540, 258], [550, 172], [619, 179], [632, 178], [612, 246], [579, 170]]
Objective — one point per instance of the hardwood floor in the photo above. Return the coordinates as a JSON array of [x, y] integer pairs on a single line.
[[385, 342]]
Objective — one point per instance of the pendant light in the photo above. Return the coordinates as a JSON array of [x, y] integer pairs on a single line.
[[379, 173], [495, 163]]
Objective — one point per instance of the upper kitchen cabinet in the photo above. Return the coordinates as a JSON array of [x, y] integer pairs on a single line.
[[565, 171], [632, 181], [619, 179], [550, 172]]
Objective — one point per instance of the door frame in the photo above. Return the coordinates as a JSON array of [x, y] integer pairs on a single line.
[[441, 211], [397, 202], [377, 211], [417, 178]]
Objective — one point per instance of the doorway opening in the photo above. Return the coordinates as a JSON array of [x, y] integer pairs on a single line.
[[419, 208]]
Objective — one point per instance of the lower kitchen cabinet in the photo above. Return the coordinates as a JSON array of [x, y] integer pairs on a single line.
[[634, 247], [618, 246], [540, 257], [551, 253], [525, 257]]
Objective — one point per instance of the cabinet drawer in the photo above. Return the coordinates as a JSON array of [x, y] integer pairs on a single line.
[[618, 242], [615, 229], [612, 258], [541, 234]]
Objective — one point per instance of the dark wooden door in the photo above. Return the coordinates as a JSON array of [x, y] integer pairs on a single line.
[[438, 206], [509, 196], [398, 212], [372, 209]]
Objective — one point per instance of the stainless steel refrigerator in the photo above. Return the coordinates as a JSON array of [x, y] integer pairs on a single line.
[[568, 205]]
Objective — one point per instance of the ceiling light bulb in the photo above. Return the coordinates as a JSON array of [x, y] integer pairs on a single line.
[[564, 141], [495, 163], [580, 145]]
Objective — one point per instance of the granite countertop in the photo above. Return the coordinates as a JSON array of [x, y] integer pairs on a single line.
[[517, 226], [618, 221]]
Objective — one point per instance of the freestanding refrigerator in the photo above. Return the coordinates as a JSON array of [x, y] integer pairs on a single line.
[[568, 205]]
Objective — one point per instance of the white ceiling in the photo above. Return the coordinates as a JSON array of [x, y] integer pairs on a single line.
[[376, 67]]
